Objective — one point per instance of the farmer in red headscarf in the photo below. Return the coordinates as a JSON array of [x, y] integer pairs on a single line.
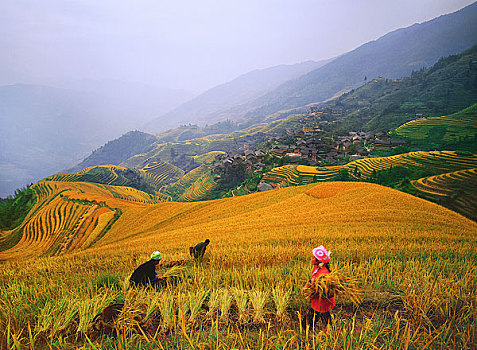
[[320, 307]]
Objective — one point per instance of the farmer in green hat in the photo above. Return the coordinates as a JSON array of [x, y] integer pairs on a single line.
[[146, 274]]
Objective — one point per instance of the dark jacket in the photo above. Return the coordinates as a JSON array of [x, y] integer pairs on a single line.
[[144, 274], [199, 250]]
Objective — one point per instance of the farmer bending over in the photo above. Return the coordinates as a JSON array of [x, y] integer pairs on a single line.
[[146, 274], [199, 250]]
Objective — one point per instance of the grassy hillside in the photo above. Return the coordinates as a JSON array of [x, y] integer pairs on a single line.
[[416, 293]]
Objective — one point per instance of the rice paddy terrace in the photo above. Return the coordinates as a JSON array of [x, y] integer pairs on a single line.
[[193, 186], [450, 128], [456, 190], [160, 173], [155, 174], [68, 216], [438, 162]]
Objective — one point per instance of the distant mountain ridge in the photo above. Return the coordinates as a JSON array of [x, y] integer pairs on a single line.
[[225, 100], [118, 150], [394, 55], [447, 87], [46, 129]]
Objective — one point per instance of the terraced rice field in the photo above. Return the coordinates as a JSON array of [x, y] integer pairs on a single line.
[[456, 190], [69, 216], [207, 157], [436, 161], [194, 184], [105, 174], [161, 172], [199, 189], [455, 127]]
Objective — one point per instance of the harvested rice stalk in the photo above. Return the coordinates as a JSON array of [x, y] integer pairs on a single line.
[[241, 299], [334, 284], [214, 303], [281, 298], [196, 300], [259, 299], [166, 307], [174, 271], [225, 303]]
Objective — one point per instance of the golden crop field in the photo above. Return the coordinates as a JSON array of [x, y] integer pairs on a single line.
[[68, 216], [199, 188], [415, 260], [106, 177]]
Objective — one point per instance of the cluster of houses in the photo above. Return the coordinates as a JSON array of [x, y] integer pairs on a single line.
[[317, 151], [252, 160], [306, 143]]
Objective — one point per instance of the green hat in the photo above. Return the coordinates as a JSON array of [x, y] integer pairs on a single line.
[[156, 256]]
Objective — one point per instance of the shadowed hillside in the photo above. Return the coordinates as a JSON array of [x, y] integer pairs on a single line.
[[394, 55]]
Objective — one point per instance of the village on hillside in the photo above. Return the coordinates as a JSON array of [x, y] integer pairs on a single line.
[[308, 141]]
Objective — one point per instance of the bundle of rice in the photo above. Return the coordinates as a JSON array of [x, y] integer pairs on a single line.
[[174, 271], [333, 284]]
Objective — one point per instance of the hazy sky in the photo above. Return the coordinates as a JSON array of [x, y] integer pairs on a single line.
[[193, 44]]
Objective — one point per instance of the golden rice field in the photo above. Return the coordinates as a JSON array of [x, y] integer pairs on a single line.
[[199, 189], [108, 176], [68, 216], [436, 161], [415, 260], [457, 190]]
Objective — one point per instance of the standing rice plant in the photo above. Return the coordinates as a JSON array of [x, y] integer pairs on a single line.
[[153, 304], [56, 317], [182, 302], [225, 303], [241, 299], [214, 303], [166, 307], [196, 300], [88, 309], [259, 299], [281, 299]]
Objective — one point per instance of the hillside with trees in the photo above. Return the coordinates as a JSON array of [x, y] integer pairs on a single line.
[[447, 87], [395, 55], [117, 151]]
